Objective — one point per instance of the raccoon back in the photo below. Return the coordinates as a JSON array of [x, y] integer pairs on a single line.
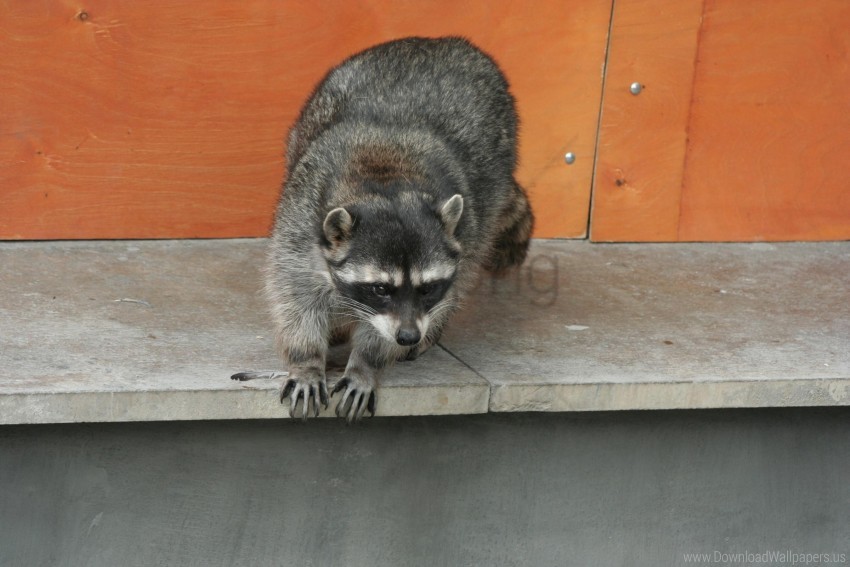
[[446, 86]]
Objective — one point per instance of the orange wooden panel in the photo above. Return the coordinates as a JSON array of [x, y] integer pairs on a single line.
[[643, 138], [770, 125], [125, 119], [741, 131]]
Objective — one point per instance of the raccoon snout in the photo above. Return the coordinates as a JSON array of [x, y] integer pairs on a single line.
[[408, 337]]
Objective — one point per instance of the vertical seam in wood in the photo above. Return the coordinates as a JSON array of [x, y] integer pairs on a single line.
[[688, 122], [599, 125]]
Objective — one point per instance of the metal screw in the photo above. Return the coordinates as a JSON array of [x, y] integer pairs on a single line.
[[570, 158], [635, 88]]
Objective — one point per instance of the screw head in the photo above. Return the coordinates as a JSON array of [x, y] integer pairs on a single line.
[[635, 88], [570, 158]]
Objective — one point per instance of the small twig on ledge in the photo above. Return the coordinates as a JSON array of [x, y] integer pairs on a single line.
[[261, 375], [128, 300]]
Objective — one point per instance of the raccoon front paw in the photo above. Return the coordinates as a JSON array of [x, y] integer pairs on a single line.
[[309, 390], [358, 396]]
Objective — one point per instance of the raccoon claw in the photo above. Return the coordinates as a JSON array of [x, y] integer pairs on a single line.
[[306, 392], [355, 400]]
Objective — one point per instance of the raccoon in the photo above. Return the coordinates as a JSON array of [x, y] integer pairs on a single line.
[[399, 187]]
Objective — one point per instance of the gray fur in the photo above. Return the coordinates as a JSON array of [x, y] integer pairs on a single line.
[[402, 159]]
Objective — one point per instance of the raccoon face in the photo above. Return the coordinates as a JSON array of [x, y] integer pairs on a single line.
[[394, 265], [399, 310]]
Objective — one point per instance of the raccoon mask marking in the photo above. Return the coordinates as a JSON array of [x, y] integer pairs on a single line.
[[395, 288]]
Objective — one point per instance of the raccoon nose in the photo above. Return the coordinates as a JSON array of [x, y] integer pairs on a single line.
[[407, 337]]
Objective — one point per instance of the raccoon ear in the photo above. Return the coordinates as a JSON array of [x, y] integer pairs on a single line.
[[450, 212], [337, 226]]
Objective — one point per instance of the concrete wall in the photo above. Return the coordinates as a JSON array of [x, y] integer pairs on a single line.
[[631, 489]]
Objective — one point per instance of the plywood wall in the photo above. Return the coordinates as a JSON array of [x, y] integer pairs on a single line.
[[123, 119], [741, 131]]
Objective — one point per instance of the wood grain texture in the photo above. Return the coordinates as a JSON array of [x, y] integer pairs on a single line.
[[741, 131], [643, 138], [770, 123], [138, 120]]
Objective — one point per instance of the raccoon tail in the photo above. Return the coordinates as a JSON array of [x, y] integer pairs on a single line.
[[515, 226]]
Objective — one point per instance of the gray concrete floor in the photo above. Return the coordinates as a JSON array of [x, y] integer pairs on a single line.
[[626, 489], [657, 326], [580, 327], [127, 330]]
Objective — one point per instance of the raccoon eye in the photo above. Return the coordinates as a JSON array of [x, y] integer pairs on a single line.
[[381, 290], [427, 289]]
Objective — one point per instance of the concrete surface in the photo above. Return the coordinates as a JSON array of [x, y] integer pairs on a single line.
[[134, 331], [151, 330], [655, 326], [628, 489]]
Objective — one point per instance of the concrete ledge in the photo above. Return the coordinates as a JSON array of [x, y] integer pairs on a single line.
[[671, 395], [151, 330]]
